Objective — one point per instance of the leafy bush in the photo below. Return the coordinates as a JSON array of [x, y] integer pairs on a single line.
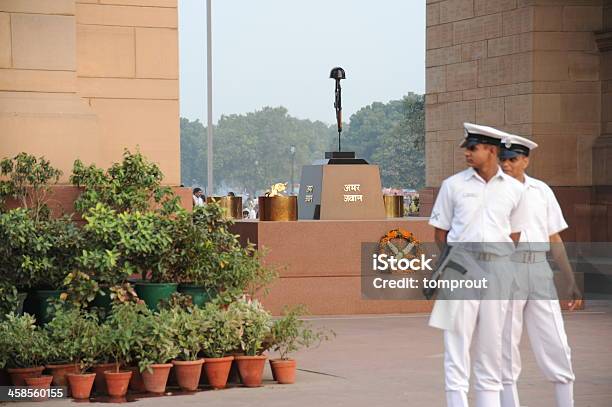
[[80, 289], [23, 252], [129, 186], [122, 332], [222, 335], [36, 254], [76, 335], [255, 325], [228, 270], [63, 242], [22, 343], [290, 333], [157, 344], [188, 328], [28, 180], [121, 244]]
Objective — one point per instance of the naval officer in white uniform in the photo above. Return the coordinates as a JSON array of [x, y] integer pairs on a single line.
[[535, 301], [479, 205]]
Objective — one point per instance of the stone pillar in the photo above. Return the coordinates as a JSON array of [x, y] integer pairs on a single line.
[[602, 152], [537, 68], [530, 67], [87, 78], [40, 111], [128, 73]]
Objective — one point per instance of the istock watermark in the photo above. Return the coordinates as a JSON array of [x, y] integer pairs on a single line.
[[401, 270], [384, 262]]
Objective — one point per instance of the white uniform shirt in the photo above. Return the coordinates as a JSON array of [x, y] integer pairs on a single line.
[[198, 201], [475, 211], [545, 216]]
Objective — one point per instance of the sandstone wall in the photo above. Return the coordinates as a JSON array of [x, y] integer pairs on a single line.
[[531, 67], [87, 78]]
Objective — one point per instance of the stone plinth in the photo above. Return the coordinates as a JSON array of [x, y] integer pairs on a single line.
[[319, 263]]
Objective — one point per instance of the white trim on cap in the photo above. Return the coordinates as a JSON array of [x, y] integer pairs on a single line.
[[522, 141], [484, 131]]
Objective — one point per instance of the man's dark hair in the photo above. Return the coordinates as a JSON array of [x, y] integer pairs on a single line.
[[230, 193], [196, 190]]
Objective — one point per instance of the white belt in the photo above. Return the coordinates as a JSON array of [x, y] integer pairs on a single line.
[[528, 257], [483, 256]]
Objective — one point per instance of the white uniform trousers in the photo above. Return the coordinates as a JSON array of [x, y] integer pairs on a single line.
[[480, 321], [544, 322]]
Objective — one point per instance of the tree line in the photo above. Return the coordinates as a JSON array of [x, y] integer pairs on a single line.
[[253, 151]]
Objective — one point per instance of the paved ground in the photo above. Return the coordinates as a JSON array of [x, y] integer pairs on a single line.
[[396, 360]]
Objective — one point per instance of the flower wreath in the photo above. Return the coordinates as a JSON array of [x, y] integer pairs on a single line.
[[410, 249]]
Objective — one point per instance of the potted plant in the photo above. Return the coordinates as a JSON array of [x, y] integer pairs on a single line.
[[101, 257], [119, 245], [188, 327], [81, 332], [134, 211], [122, 330], [47, 255], [25, 347], [28, 180], [145, 242], [190, 257], [134, 184], [221, 337], [154, 351], [23, 254], [255, 325], [228, 270], [289, 334], [59, 361]]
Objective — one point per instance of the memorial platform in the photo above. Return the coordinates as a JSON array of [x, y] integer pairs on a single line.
[[319, 262]]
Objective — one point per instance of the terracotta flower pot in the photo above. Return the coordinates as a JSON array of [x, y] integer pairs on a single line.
[[81, 384], [18, 375], [136, 383], [59, 373], [251, 369], [188, 373], [283, 371], [100, 383], [155, 381], [217, 371], [117, 383], [40, 382]]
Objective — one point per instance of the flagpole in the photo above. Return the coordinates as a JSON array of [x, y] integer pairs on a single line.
[[209, 188]]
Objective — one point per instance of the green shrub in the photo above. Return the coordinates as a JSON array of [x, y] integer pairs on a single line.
[[22, 343], [222, 335], [77, 336], [188, 329], [131, 185], [290, 333], [255, 325], [157, 344], [122, 332], [28, 180]]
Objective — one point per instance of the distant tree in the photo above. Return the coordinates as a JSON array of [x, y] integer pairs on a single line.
[[193, 153], [252, 151], [392, 135]]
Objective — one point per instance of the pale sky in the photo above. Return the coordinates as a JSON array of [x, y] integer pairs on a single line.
[[280, 52]]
